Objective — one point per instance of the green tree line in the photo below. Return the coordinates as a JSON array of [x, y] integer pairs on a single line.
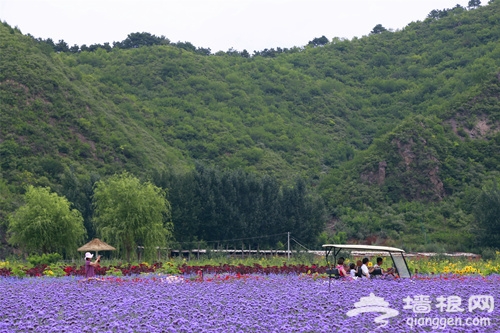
[[204, 205], [229, 206]]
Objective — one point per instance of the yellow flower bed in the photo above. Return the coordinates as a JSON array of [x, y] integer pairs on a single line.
[[455, 266]]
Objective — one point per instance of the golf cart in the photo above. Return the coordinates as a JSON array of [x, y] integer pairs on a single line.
[[397, 256]]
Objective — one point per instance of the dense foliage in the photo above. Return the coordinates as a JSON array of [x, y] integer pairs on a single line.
[[46, 223], [397, 131], [129, 213], [233, 208]]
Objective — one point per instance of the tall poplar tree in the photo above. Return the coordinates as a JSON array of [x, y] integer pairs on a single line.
[[487, 213]]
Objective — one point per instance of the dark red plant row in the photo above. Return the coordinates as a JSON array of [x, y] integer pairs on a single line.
[[128, 269], [101, 270], [80, 270], [254, 269]]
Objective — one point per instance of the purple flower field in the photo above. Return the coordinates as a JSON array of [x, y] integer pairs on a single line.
[[274, 303]]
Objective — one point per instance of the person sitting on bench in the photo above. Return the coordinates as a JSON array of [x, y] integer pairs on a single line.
[[364, 268], [353, 270], [378, 270], [340, 267], [359, 273]]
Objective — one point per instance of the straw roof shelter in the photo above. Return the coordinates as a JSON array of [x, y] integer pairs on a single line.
[[96, 245]]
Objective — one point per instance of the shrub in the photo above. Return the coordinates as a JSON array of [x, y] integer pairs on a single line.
[[168, 268], [44, 259], [54, 271], [18, 272], [114, 271], [488, 254]]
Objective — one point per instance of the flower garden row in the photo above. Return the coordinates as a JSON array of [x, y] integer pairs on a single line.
[[168, 268], [421, 267]]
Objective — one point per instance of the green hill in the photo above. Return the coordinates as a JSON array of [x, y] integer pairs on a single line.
[[397, 131]]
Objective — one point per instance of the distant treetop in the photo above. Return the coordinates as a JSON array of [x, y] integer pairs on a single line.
[[378, 29]]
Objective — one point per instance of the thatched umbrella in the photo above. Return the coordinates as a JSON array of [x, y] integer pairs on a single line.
[[96, 245]]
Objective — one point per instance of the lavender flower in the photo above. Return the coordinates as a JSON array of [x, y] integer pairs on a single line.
[[256, 303]]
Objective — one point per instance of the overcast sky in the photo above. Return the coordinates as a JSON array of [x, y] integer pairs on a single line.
[[215, 24]]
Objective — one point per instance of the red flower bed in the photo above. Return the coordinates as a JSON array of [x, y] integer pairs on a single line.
[[36, 271], [128, 269], [255, 269], [5, 271], [101, 270]]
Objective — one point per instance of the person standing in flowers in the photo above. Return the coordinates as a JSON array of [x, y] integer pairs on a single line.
[[89, 265]]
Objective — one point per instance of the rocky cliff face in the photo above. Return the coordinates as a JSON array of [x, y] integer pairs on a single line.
[[414, 172], [424, 164]]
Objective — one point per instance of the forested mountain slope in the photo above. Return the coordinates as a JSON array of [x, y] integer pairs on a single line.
[[394, 129]]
